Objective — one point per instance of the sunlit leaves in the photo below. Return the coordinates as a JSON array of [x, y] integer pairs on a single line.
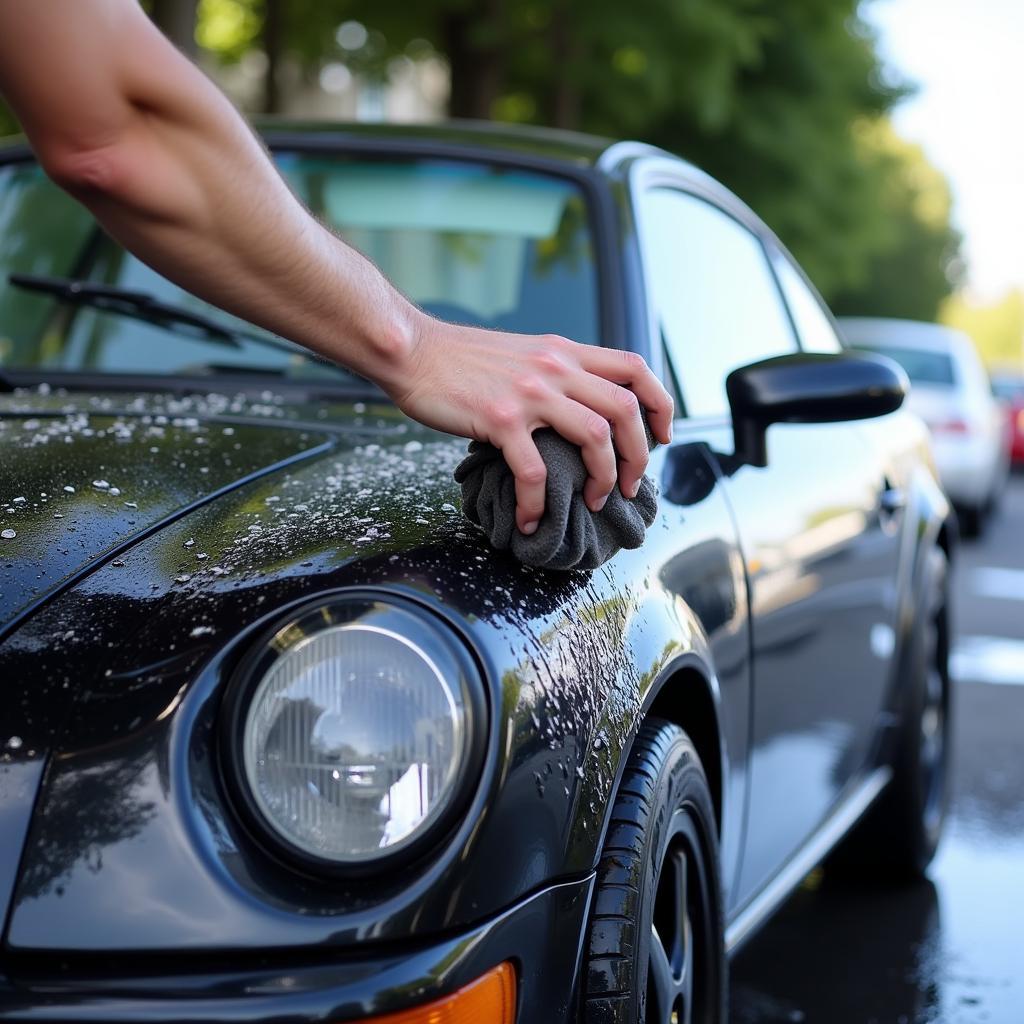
[[228, 28]]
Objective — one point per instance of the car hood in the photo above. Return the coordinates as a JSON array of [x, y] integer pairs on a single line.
[[111, 507], [84, 478], [78, 486]]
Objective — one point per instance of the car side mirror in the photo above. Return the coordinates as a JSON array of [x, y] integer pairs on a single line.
[[809, 387]]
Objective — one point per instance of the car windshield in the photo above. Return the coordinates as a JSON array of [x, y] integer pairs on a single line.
[[468, 242], [923, 366]]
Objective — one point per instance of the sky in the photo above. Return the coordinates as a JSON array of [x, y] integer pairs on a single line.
[[967, 59]]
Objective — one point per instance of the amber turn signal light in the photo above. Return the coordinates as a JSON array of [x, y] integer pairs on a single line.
[[490, 999]]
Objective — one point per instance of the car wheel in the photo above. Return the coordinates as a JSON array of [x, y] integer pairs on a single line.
[[971, 521], [898, 836], [656, 950]]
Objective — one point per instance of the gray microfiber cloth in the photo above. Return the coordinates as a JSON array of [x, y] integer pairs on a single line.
[[569, 535]]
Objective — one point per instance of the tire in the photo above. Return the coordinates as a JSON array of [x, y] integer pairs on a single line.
[[897, 838], [645, 960], [972, 521]]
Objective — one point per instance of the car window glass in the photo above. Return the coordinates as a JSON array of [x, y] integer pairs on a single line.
[[716, 301], [923, 366], [467, 241], [812, 323]]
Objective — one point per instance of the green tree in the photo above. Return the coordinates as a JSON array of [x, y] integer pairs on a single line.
[[8, 125], [777, 131], [782, 100], [997, 326], [914, 264], [769, 96], [177, 20]]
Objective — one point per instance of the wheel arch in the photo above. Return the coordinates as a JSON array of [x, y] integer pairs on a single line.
[[932, 523], [687, 697]]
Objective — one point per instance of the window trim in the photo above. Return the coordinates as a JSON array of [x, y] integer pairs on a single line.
[[776, 250], [651, 173]]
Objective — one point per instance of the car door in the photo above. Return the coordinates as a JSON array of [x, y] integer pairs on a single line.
[[809, 526]]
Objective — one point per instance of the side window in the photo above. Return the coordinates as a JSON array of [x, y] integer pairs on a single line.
[[812, 324], [714, 295]]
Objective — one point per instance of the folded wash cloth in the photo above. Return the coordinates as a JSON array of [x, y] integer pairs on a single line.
[[569, 535]]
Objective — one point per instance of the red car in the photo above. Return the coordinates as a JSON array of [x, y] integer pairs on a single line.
[[1011, 390]]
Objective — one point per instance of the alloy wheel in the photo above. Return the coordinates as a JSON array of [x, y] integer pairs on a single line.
[[679, 986]]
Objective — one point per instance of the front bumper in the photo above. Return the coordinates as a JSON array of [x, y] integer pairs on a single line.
[[542, 937]]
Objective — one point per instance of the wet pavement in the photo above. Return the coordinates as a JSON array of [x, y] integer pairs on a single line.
[[949, 950]]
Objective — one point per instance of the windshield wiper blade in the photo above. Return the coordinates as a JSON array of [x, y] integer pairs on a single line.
[[144, 306]]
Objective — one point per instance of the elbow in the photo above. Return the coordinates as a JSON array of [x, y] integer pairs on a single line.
[[87, 172]]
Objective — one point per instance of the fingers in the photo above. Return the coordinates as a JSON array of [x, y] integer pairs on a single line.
[[592, 433], [531, 475], [618, 405], [580, 391], [632, 371]]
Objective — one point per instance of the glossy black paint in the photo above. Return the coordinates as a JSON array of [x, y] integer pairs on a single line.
[[123, 622], [540, 936], [808, 387]]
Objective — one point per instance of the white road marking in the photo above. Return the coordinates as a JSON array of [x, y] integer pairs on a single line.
[[988, 659], [1003, 584]]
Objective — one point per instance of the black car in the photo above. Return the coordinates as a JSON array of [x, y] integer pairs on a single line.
[[285, 740]]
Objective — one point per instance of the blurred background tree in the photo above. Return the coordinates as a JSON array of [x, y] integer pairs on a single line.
[[785, 101], [7, 123], [915, 258], [996, 325]]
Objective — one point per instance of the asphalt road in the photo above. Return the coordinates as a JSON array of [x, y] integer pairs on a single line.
[[950, 950]]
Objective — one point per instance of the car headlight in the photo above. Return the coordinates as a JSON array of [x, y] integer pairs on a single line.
[[355, 732]]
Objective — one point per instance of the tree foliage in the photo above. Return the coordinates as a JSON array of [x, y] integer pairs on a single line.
[[914, 262], [997, 326], [782, 100], [785, 101], [8, 125]]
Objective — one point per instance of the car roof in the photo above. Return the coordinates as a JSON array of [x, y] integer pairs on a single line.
[[549, 143], [477, 138], [894, 333], [570, 147]]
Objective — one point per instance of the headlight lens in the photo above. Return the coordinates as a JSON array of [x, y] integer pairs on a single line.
[[356, 738]]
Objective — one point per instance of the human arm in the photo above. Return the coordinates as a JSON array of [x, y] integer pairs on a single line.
[[132, 129]]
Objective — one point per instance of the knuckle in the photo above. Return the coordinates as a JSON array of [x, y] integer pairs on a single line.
[[597, 428], [626, 401], [548, 362], [533, 473], [531, 386], [504, 415], [634, 361]]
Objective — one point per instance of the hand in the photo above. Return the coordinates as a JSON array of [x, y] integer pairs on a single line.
[[500, 387]]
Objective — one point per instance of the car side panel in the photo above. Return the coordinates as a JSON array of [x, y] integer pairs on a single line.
[[820, 559]]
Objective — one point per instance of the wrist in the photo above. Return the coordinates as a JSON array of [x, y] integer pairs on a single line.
[[388, 348]]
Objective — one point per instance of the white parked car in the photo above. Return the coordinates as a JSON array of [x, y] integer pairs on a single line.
[[952, 393]]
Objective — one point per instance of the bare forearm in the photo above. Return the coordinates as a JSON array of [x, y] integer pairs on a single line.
[[246, 245], [175, 174]]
